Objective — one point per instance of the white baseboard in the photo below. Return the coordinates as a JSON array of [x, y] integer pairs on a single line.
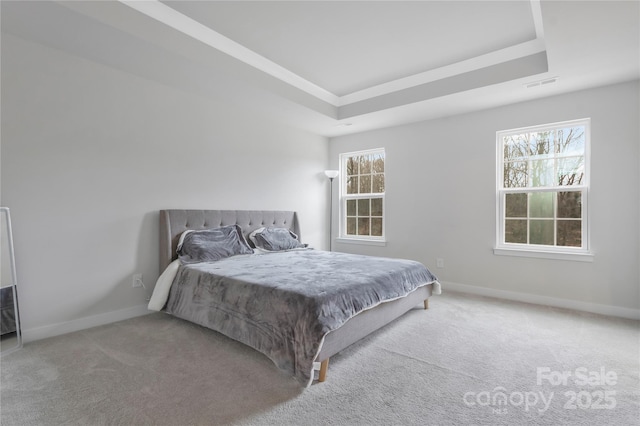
[[596, 308], [38, 333]]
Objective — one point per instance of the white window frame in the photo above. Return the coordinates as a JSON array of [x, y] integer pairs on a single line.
[[534, 250], [343, 237]]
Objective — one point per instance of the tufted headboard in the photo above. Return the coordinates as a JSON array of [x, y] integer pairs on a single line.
[[175, 222]]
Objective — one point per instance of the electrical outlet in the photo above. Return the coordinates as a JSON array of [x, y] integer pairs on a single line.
[[440, 262], [137, 281]]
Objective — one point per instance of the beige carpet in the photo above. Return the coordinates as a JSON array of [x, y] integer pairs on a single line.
[[467, 360]]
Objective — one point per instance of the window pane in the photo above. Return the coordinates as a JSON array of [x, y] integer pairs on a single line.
[[352, 166], [351, 226], [515, 231], [542, 144], [378, 184], [376, 207], [363, 207], [352, 185], [570, 204], [515, 174], [516, 205], [542, 173], [570, 171], [376, 227], [365, 184], [378, 163], [541, 232], [570, 140], [570, 233], [365, 164], [541, 204], [516, 147], [351, 207], [363, 226]]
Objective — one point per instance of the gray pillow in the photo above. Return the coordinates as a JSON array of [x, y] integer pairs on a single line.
[[209, 245], [275, 239]]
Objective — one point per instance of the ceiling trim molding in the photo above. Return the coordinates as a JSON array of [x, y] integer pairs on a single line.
[[536, 11], [192, 28], [493, 58], [472, 64], [178, 21], [500, 72]]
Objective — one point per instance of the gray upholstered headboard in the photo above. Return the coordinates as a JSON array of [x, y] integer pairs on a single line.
[[175, 222]]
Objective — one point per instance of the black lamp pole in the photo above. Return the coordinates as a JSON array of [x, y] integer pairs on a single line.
[[331, 174]]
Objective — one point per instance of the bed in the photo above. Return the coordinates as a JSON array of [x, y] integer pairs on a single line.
[[299, 307]]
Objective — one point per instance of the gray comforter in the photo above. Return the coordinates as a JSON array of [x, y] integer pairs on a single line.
[[283, 304]]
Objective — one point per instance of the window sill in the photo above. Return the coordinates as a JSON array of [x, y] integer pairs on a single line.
[[381, 243], [554, 255]]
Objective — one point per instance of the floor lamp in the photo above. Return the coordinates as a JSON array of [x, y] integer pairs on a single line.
[[331, 174]]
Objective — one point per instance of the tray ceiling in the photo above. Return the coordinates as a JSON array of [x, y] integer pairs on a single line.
[[344, 47], [338, 67]]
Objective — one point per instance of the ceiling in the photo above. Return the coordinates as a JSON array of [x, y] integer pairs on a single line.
[[339, 67], [345, 47]]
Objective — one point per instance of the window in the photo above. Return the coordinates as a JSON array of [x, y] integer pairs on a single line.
[[362, 195], [543, 184]]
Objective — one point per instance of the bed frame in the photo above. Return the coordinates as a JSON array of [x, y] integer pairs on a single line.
[[175, 222]]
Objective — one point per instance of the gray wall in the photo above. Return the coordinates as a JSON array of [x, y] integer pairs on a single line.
[[441, 188], [90, 154]]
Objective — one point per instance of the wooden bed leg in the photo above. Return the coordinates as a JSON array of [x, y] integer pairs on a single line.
[[324, 365], [426, 303]]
